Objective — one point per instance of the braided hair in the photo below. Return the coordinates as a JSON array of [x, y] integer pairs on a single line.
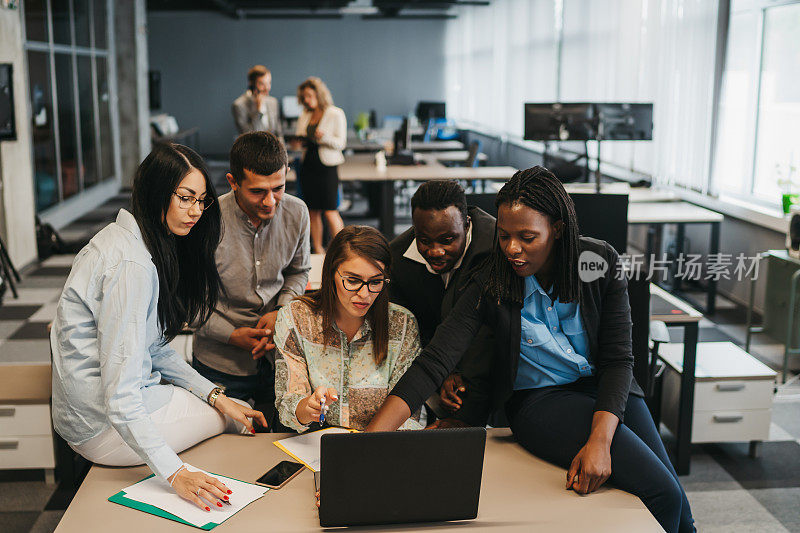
[[540, 190]]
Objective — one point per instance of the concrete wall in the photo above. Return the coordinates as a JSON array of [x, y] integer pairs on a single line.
[[17, 222], [130, 22], [204, 57]]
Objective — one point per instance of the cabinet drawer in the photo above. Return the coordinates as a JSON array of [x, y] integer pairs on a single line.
[[731, 425], [732, 394], [27, 452], [22, 420]]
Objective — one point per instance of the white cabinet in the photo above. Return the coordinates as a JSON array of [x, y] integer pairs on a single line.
[[732, 396], [26, 434]]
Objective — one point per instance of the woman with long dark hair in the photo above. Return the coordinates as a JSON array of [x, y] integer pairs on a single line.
[[344, 347], [130, 292], [562, 363]]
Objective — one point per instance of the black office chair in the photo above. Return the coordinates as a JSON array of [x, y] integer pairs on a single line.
[[603, 216], [646, 336]]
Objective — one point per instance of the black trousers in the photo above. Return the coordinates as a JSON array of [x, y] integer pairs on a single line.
[[554, 423]]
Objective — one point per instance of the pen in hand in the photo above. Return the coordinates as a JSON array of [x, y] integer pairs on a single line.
[[322, 410]]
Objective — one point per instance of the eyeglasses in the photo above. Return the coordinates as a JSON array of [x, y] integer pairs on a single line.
[[353, 284], [188, 201]]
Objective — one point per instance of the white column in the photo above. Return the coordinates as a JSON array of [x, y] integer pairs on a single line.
[[17, 205]]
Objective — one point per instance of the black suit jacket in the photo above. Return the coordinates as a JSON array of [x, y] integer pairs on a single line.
[[606, 316], [424, 294]]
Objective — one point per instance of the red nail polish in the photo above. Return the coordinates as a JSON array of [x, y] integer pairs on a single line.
[[253, 431], [226, 496], [229, 492], [219, 504], [208, 508]]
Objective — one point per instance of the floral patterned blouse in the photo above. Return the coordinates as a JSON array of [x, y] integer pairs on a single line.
[[304, 363]]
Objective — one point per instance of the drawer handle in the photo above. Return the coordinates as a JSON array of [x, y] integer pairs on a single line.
[[730, 387], [9, 444], [727, 419], [7, 411]]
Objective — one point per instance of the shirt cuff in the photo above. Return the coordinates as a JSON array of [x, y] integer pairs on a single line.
[[164, 462], [284, 298], [218, 329], [200, 386], [291, 420]]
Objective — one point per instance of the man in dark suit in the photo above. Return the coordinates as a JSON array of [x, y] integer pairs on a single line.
[[431, 263]]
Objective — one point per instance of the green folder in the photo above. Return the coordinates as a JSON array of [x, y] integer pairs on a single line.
[[121, 499]]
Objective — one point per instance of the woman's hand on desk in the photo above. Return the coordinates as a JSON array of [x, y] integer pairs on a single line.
[[590, 468], [309, 408], [199, 488], [239, 412]]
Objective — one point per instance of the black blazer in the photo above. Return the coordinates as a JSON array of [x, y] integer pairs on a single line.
[[606, 316]]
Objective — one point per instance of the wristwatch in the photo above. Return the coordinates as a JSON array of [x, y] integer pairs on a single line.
[[213, 395]]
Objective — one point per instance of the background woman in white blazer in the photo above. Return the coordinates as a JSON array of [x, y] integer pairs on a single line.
[[325, 127]]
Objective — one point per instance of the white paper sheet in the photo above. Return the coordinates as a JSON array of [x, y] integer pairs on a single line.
[[306, 448], [157, 492]]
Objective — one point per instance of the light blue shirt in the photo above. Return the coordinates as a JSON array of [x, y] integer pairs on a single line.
[[108, 357], [554, 347]]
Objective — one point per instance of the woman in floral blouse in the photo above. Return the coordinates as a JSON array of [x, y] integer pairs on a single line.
[[346, 343]]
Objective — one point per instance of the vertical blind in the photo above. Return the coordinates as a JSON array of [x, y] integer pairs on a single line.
[[663, 51]]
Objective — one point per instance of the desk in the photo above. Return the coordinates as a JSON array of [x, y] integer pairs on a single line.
[[434, 146], [451, 156], [361, 167], [657, 214], [519, 493], [676, 313]]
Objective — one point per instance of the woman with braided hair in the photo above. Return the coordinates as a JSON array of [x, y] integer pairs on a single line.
[[562, 366]]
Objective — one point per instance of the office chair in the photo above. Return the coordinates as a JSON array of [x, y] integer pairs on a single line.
[[603, 216], [646, 337], [474, 152]]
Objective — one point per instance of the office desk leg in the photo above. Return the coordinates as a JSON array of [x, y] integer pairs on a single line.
[[386, 215], [711, 295], [686, 399], [680, 237]]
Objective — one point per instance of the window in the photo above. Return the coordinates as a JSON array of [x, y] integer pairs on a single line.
[[73, 145], [757, 139], [516, 51]]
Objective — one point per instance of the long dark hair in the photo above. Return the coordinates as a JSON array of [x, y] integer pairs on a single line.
[[188, 281], [370, 244], [538, 189]]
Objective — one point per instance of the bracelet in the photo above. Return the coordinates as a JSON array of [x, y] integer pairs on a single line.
[[175, 475], [213, 395]]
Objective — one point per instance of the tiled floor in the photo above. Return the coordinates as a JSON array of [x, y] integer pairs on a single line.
[[728, 491]]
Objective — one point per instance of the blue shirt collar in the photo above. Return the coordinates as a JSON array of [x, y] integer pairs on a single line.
[[532, 285]]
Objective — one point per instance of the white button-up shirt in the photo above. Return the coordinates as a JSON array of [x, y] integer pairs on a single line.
[[109, 357]]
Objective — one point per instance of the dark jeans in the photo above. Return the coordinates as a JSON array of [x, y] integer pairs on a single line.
[[554, 423], [259, 388]]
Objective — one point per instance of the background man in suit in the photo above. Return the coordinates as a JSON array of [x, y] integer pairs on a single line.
[[431, 262], [256, 110]]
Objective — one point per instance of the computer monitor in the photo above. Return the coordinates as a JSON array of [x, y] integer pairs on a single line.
[[429, 110], [558, 122], [291, 107], [625, 122]]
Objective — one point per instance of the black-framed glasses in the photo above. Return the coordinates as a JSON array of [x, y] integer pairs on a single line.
[[188, 201], [354, 284]]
